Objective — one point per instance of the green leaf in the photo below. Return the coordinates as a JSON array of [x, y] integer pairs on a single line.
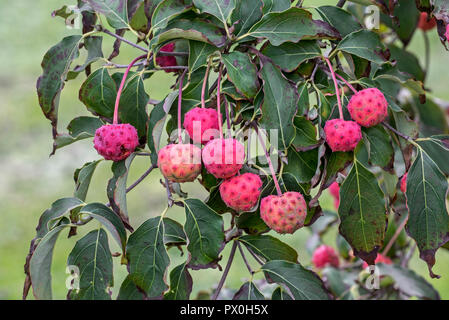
[[288, 56], [340, 282], [196, 29], [248, 291], [302, 164], [242, 73], [245, 15], [428, 222], [362, 212], [302, 283], [409, 282], [173, 233], [388, 71], [337, 161], [79, 128], [205, 234], [116, 11], [129, 290], [40, 264], [433, 118], [364, 44], [147, 257], [98, 93], [280, 294], [109, 220], [340, 19], [55, 66], [405, 21], [180, 284], [167, 10], [275, 5], [199, 54], [218, 8], [251, 223], [291, 25], [279, 105], [116, 189], [82, 178], [156, 125], [93, 258], [306, 133], [56, 211], [407, 62], [94, 53], [133, 104], [269, 248], [380, 149], [438, 149]]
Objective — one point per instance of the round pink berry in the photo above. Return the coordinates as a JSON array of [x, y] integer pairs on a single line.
[[368, 107], [116, 141], [180, 162], [241, 192], [325, 256], [223, 158], [202, 124], [342, 135]]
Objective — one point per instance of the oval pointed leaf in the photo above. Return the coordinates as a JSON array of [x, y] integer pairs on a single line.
[[147, 257], [83, 176], [362, 212], [245, 15], [248, 291], [380, 149], [167, 10], [335, 17], [180, 284], [116, 11], [79, 128], [242, 73], [428, 221], [199, 54], [174, 233], [303, 284], [269, 248], [129, 290], [291, 25], [364, 44], [205, 234], [218, 8], [93, 258]]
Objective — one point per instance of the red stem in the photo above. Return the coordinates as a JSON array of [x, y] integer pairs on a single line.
[[346, 82], [220, 119], [203, 90], [340, 108], [270, 164], [181, 81], [122, 84]]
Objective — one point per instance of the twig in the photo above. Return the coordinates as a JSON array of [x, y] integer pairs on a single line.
[[174, 54], [394, 237], [172, 67], [341, 3], [256, 257], [386, 125], [346, 82], [427, 53], [169, 195], [123, 39], [226, 271], [340, 107], [144, 175], [244, 258], [407, 258]]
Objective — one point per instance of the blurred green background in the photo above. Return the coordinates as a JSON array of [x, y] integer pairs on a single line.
[[31, 181]]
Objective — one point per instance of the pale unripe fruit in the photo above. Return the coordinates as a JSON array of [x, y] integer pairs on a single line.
[[285, 213], [116, 141], [201, 124], [324, 256], [180, 162], [368, 107], [342, 135], [242, 192], [223, 158]]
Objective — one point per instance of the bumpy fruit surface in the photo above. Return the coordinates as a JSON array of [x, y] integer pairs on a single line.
[[368, 107], [342, 135], [334, 190], [201, 124], [424, 23], [180, 162], [223, 158], [116, 141], [380, 259], [167, 61], [242, 192], [285, 213], [447, 33], [403, 185], [325, 256]]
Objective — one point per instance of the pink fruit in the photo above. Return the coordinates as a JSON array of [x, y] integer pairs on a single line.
[[334, 190], [223, 158], [380, 259], [285, 213], [242, 192], [403, 185], [342, 135], [368, 107], [325, 256], [447, 33], [201, 124], [167, 61], [116, 141], [424, 23], [180, 162]]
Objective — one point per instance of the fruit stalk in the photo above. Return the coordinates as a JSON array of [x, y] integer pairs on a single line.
[[181, 82], [122, 84], [346, 82], [340, 108], [220, 119], [270, 164], [203, 89]]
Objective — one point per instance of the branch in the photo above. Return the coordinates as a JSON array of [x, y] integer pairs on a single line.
[[144, 175], [341, 3], [394, 237], [123, 39], [226, 271], [406, 137], [244, 258]]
